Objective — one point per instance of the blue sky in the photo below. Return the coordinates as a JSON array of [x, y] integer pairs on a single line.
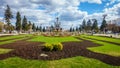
[[70, 12]]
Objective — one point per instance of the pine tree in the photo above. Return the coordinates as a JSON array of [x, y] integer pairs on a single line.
[[70, 29], [18, 22], [84, 25], [95, 26], [40, 28], [44, 30], [33, 27], [89, 25], [103, 25], [24, 24], [8, 15]]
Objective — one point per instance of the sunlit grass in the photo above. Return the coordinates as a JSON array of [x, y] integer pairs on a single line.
[[3, 51], [53, 39]]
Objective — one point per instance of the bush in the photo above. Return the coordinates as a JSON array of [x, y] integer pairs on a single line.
[[57, 46], [48, 47], [53, 47]]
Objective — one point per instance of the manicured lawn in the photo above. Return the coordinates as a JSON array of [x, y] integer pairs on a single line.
[[103, 38], [53, 39], [107, 48], [2, 51], [12, 37], [74, 62]]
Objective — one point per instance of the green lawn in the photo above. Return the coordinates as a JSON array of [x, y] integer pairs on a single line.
[[74, 62], [107, 48], [3, 51], [103, 38], [53, 39], [12, 37]]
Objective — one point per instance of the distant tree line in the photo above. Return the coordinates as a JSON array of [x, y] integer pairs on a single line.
[[92, 26]]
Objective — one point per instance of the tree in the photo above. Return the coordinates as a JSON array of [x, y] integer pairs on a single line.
[[40, 28], [70, 29], [33, 27], [43, 29], [103, 25], [89, 25], [18, 22], [24, 24], [8, 16], [77, 29], [84, 25], [95, 26], [29, 26], [37, 28]]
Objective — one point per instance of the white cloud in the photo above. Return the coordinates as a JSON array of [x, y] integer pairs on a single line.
[[67, 10]]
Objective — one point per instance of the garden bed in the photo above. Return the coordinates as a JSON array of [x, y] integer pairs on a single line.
[[34, 50]]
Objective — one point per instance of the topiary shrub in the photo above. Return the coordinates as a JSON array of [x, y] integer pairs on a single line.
[[53, 47], [48, 47], [57, 46]]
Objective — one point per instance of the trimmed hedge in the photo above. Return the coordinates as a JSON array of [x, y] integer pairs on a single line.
[[53, 47]]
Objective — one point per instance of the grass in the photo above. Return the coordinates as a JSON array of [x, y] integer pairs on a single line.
[[103, 38], [12, 37], [75, 62], [53, 39], [107, 48], [3, 51]]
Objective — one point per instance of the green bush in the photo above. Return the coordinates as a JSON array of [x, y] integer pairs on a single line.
[[48, 47], [53, 47], [57, 46]]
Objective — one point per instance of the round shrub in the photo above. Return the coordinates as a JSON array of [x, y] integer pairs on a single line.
[[57, 46], [48, 47]]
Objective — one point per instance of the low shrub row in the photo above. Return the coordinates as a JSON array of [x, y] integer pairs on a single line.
[[53, 47]]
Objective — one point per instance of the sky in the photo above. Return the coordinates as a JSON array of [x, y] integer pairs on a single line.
[[70, 12]]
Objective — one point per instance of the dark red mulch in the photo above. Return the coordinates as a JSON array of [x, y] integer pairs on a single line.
[[32, 50], [104, 41]]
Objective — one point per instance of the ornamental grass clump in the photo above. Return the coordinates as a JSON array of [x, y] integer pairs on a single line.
[[53, 47]]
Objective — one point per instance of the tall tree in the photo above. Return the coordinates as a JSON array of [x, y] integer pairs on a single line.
[[18, 22], [29, 26], [40, 28], [8, 16], [95, 26], [88, 25], [44, 30], [84, 25], [24, 24], [103, 25], [70, 29], [33, 27]]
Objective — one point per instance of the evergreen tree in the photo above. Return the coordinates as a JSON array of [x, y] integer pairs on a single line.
[[24, 24], [77, 29], [40, 28], [84, 25], [70, 29], [95, 26], [89, 25], [18, 22], [44, 29], [103, 25], [29, 25], [8, 15], [73, 30], [37, 28], [33, 27]]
